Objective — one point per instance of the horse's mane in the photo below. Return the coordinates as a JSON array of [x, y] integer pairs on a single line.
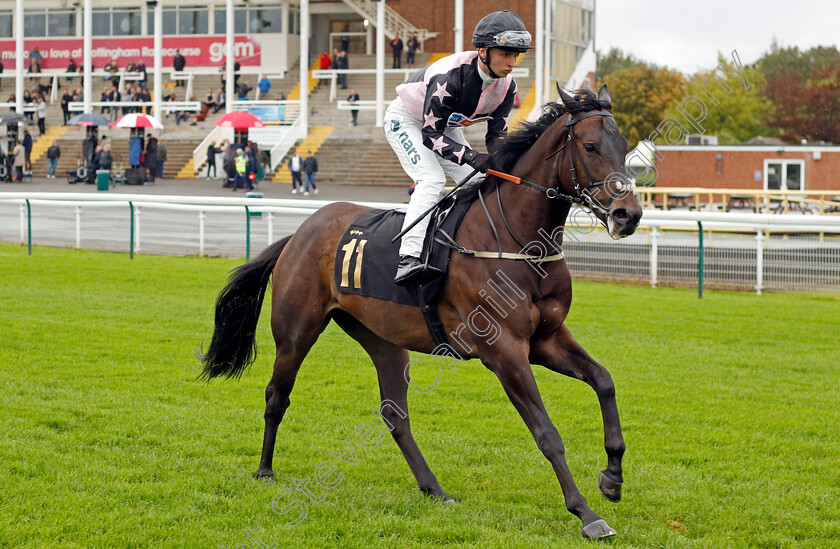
[[521, 140]]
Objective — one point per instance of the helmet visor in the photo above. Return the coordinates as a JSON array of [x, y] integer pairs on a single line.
[[512, 39]]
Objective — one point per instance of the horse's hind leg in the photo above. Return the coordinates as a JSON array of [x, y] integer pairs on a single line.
[[562, 354], [390, 361], [293, 342]]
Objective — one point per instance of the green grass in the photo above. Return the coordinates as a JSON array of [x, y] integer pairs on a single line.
[[729, 408]]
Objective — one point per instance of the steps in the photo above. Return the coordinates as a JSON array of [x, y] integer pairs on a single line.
[[317, 136], [45, 141]]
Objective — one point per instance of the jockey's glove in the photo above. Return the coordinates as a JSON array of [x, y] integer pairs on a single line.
[[479, 161]]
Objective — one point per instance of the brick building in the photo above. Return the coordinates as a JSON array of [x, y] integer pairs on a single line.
[[757, 167]]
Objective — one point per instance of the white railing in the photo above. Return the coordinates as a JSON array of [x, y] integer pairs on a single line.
[[216, 136], [166, 106], [394, 22], [296, 132], [332, 75], [738, 251]]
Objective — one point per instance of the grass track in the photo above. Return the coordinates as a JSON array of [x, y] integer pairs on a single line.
[[729, 406]]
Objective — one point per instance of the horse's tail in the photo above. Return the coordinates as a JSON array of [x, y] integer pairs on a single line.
[[233, 348]]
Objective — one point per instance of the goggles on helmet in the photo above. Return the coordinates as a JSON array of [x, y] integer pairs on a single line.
[[510, 39]]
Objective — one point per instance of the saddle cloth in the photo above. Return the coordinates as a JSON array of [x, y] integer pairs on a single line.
[[366, 259]]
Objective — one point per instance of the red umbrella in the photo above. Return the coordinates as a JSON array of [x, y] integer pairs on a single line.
[[239, 119], [138, 120]]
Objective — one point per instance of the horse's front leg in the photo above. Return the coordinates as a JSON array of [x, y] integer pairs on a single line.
[[561, 353], [514, 371]]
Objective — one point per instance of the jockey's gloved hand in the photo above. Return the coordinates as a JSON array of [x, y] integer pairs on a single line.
[[479, 161]]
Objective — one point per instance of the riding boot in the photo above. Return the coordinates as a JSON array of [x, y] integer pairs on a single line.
[[408, 269]]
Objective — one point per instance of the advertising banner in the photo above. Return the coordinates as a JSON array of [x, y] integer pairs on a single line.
[[199, 51]]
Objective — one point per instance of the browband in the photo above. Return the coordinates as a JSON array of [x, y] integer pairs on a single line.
[[574, 120]]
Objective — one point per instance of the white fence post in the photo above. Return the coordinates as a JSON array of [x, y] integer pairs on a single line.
[[136, 229], [22, 223], [270, 222], [78, 227], [201, 216], [654, 256], [759, 261]]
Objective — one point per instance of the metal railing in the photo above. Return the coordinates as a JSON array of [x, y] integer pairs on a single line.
[[758, 252]]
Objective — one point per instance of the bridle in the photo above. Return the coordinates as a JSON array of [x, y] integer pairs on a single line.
[[581, 196]]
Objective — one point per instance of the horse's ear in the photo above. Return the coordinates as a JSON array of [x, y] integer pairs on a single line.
[[604, 94], [565, 97]]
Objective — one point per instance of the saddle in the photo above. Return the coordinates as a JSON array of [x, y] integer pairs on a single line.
[[366, 259]]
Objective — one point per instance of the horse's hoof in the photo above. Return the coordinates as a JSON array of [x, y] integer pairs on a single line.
[[597, 530], [610, 488]]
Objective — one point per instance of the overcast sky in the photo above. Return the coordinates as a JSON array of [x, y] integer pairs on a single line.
[[687, 35]]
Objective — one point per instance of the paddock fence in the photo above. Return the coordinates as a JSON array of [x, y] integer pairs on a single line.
[[737, 251]]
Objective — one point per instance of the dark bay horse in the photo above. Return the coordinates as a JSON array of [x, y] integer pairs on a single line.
[[573, 154]]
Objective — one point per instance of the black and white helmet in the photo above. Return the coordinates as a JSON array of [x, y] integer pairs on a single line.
[[504, 30]]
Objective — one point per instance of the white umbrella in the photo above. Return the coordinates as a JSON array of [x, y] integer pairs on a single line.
[[138, 120]]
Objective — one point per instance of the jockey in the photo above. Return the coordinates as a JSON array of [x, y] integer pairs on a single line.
[[423, 124]]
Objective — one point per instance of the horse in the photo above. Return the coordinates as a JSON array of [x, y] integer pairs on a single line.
[[577, 136]]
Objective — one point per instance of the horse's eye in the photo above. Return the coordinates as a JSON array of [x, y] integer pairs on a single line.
[[589, 147]]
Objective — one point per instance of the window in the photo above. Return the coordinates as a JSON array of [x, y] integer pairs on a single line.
[[61, 22], [294, 20], [240, 21], [169, 17], [101, 19], [262, 19], [34, 23], [784, 175], [126, 22], [192, 20], [5, 23]]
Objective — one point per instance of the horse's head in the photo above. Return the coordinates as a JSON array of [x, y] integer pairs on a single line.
[[595, 175]]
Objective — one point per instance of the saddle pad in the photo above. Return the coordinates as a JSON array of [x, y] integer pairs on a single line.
[[366, 259]]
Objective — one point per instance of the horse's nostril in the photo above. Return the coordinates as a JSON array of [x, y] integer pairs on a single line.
[[620, 215]]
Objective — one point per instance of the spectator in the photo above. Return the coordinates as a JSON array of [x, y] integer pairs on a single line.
[[397, 48], [27, 100], [127, 96], [95, 162], [310, 168], [103, 98], [27, 147], [161, 158], [242, 93], [241, 165], [144, 77], [53, 154], [281, 96], [113, 69], [144, 95], [324, 63], [352, 98], [114, 97], [295, 167], [131, 67], [20, 160], [229, 163], [220, 100], [343, 63], [210, 100], [42, 116], [181, 115], [211, 159], [71, 67], [1, 72], [413, 45], [35, 60], [150, 156], [264, 85], [345, 39], [106, 159], [253, 164], [66, 98], [178, 63]]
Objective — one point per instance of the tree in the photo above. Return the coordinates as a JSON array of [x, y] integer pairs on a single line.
[[616, 60], [640, 96], [804, 88], [740, 114]]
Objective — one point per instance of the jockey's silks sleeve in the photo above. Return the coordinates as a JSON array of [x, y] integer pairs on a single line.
[[448, 94]]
